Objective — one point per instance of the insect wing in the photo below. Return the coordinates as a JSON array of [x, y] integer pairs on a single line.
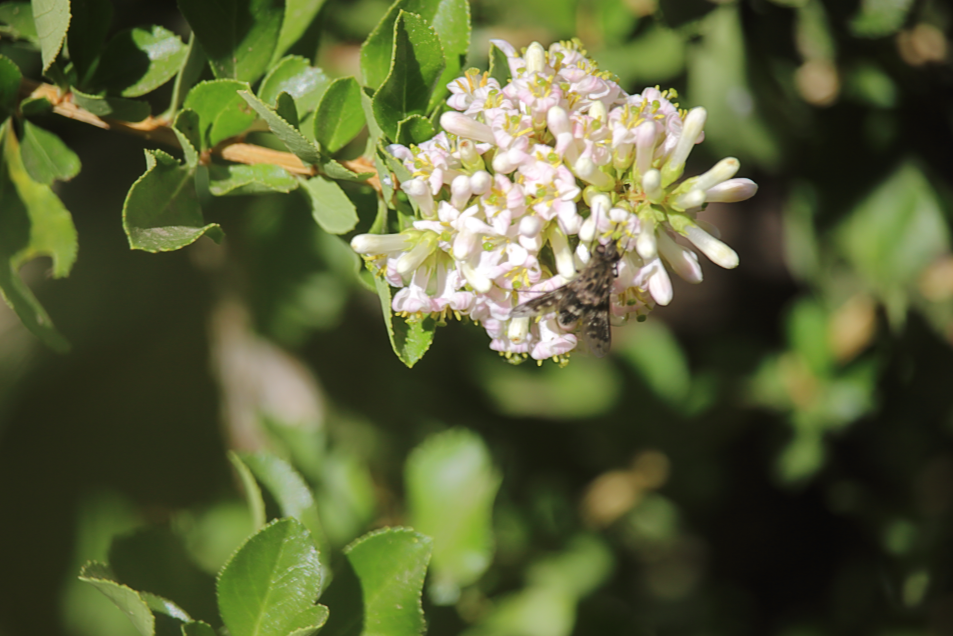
[[596, 330], [539, 305]]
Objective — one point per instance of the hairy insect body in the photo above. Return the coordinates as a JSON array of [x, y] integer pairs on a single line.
[[584, 299]]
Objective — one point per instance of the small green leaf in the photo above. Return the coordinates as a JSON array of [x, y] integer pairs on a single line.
[[164, 606], [112, 107], [894, 233], [162, 212], [10, 78], [409, 340], [879, 18], [88, 28], [187, 129], [309, 621], [295, 75], [297, 143], [252, 492], [198, 628], [221, 110], [153, 560], [45, 156], [255, 179], [418, 64], [414, 130], [125, 598], [286, 108], [238, 36], [19, 16], [269, 581], [499, 65], [289, 490], [390, 566], [138, 61], [656, 356], [451, 485], [33, 223], [52, 21], [340, 116], [299, 14], [333, 211], [450, 20]]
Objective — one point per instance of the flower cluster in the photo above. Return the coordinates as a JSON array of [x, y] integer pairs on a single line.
[[526, 178]]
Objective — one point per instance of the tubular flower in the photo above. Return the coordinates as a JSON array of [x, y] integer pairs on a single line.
[[528, 177]]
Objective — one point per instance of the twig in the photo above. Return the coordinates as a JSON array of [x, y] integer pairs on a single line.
[[158, 129]]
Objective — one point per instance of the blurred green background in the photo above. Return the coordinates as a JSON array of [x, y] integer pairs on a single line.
[[770, 454]]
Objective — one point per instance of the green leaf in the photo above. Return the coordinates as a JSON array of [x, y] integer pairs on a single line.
[[164, 606], [19, 16], [299, 14], [450, 19], [389, 566], [656, 356], [295, 75], [297, 143], [10, 78], [289, 490], [88, 28], [879, 18], [270, 581], [187, 129], [286, 108], [807, 329], [414, 130], [187, 75], [893, 234], [138, 61], [162, 212], [112, 107], [52, 21], [333, 211], [125, 598], [340, 116], [198, 628], [153, 560], [255, 179], [499, 65], [252, 492], [678, 13], [33, 223], [238, 36], [45, 156], [309, 621], [451, 486], [222, 111], [718, 60], [418, 63], [410, 340]]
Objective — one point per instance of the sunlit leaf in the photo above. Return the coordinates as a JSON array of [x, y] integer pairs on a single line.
[[418, 64], [162, 211], [451, 486], [45, 156], [270, 581], [138, 61], [222, 111], [52, 20], [339, 117], [238, 36], [295, 75], [125, 598], [409, 339]]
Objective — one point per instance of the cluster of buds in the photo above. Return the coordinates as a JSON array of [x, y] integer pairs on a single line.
[[527, 178]]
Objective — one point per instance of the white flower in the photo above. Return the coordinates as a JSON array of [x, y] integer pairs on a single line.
[[526, 177]]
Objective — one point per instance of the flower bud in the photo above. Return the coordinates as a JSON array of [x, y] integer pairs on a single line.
[[720, 172], [719, 253], [380, 243], [691, 129], [466, 127], [652, 186], [732, 191]]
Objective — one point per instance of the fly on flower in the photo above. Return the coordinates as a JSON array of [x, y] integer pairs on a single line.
[[584, 299]]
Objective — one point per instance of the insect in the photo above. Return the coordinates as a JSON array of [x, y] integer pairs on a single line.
[[585, 298]]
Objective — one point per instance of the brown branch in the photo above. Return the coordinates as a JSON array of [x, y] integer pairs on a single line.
[[159, 130]]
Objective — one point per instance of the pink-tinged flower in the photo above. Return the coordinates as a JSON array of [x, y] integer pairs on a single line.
[[527, 177]]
